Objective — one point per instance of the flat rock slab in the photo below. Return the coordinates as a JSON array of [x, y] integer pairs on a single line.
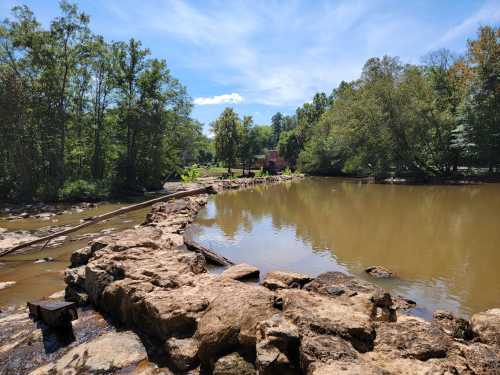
[[53, 313], [241, 271], [109, 352]]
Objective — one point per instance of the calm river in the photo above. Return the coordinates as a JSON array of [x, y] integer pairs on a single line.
[[442, 241], [34, 279]]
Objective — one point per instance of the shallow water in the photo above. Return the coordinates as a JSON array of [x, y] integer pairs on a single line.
[[38, 280], [442, 241]]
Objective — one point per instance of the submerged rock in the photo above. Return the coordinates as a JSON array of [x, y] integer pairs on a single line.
[[379, 272]]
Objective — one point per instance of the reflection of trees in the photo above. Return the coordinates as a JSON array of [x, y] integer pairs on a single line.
[[422, 232]]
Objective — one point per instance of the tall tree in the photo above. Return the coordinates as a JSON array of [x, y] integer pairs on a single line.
[[277, 126], [482, 110], [247, 143], [227, 130]]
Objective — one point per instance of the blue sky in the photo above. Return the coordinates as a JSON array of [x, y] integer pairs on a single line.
[[261, 57]]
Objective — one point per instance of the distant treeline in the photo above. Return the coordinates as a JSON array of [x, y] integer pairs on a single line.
[[441, 118], [80, 116]]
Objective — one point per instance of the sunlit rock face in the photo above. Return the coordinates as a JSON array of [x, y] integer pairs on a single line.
[[290, 323]]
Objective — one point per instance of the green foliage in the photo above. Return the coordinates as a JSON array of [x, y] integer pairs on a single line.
[[401, 119], [261, 173], [228, 132], [75, 107], [82, 190], [287, 171], [190, 174]]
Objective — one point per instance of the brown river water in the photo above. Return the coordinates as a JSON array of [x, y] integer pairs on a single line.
[[442, 241], [38, 280]]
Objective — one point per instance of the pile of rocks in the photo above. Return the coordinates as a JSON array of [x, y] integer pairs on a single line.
[[290, 324]]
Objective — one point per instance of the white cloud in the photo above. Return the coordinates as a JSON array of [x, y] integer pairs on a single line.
[[219, 99], [280, 55]]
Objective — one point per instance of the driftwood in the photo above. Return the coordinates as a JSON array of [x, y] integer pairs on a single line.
[[207, 253], [92, 220]]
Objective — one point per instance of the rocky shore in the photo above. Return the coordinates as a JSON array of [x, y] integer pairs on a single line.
[[192, 318]]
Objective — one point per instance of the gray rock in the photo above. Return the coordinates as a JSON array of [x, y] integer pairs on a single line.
[[241, 271], [280, 280], [486, 326], [412, 337], [81, 256], [183, 353], [277, 346], [233, 364], [109, 352], [379, 272]]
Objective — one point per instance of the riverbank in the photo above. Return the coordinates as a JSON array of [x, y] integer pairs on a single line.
[[203, 320]]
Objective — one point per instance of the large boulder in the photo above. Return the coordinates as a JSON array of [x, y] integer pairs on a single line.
[[412, 337], [315, 349], [451, 325], [277, 346], [479, 358], [241, 271], [486, 326], [232, 318], [183, 353], [346, 318], [109, 352]]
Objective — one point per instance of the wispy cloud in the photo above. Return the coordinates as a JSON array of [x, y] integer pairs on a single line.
[[488, 13], [219, 99], [280, 54]]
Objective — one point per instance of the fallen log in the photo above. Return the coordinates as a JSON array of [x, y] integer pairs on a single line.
[[207, 253], [95, 219]]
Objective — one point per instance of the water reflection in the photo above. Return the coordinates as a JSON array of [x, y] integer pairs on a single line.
[[444, 241]]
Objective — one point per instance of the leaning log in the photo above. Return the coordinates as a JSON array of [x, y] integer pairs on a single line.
[[95, 219], [207, 253]]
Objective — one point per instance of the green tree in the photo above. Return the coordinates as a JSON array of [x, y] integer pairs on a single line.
[[247, 143], [277, 126], [227, 130], [482, 108]]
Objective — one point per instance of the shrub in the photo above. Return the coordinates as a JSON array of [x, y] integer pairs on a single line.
[[82, 190], [261, 173], [190, 174]]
